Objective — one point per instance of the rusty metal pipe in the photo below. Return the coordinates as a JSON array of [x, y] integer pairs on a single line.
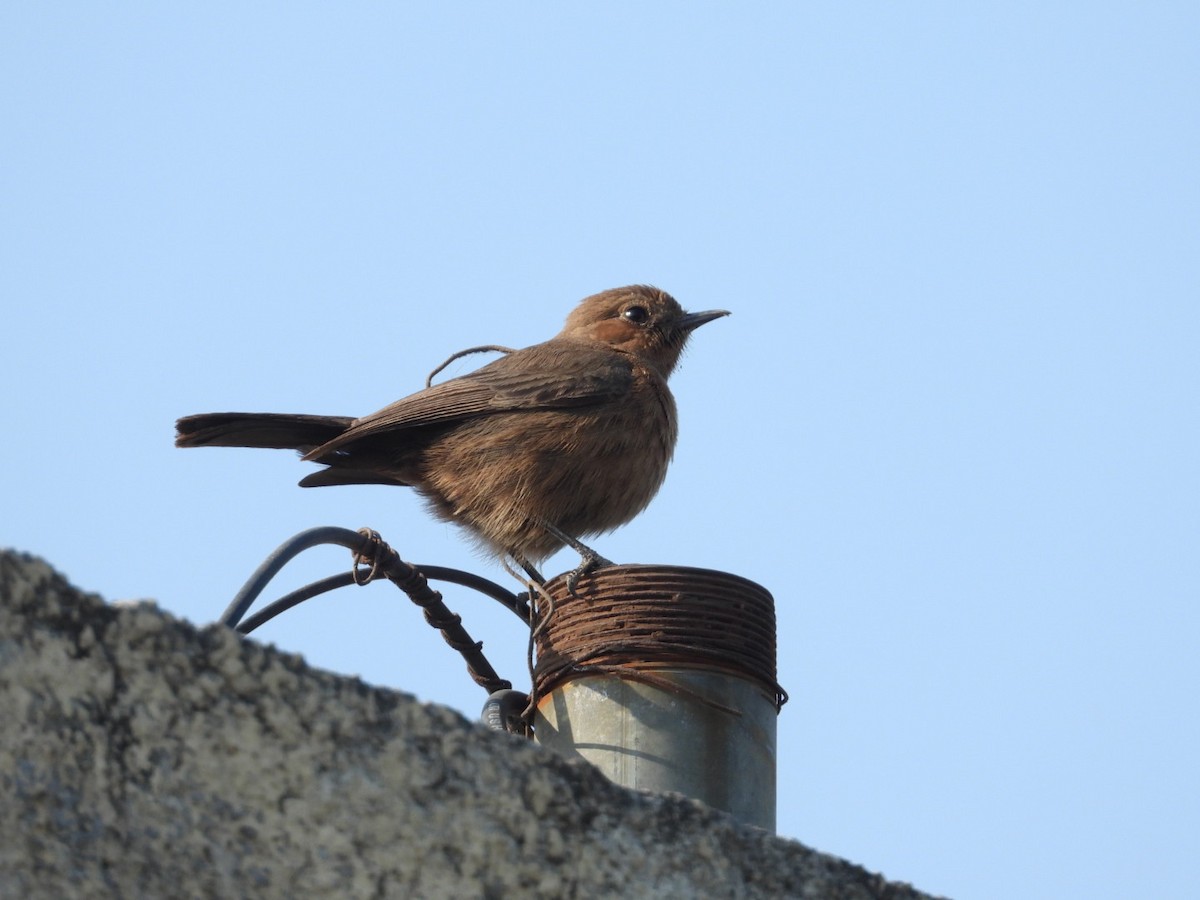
[[664, 678]]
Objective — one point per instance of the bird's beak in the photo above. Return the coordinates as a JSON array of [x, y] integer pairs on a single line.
[[695, 320]]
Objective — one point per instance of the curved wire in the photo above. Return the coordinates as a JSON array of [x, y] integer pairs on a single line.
[[485, 348], [513, 602], [379, 560], [352, 540], [295, 598], [282, 555]]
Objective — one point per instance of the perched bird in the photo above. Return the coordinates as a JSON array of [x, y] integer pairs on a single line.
[[565, 439]]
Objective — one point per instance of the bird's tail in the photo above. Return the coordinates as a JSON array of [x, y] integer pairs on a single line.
[[280, 431]]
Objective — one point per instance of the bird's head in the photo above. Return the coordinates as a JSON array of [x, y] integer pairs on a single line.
[[639, 320]]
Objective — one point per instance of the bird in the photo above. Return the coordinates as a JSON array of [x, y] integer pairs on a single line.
[[541, 447]]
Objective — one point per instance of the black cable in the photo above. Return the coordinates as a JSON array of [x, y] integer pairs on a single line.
[[285, 553], [295, 598], [368, 547], [515, 603]]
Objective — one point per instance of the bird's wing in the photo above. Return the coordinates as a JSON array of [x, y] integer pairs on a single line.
[[545, 376]]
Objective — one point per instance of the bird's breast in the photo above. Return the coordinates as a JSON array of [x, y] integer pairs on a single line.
[[613, 459], [585, 469]]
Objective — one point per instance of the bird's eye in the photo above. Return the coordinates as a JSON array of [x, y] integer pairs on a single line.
[[636, 314]]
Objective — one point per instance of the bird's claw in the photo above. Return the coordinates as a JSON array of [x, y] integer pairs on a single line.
[[588, 562]]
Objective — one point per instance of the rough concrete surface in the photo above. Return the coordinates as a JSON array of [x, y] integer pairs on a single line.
[[143, 757]]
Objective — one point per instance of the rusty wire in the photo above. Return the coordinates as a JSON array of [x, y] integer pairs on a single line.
[[484, 348], [635, 620]]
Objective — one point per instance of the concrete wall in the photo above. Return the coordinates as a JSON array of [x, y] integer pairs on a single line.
[[142, 757]]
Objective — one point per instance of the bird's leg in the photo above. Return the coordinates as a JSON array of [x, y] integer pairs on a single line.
[[528, 568], [589, 559]]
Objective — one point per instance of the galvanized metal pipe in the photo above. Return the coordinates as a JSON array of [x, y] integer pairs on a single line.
[[664, 699]]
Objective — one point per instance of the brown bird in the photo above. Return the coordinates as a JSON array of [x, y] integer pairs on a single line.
[[565, 439]]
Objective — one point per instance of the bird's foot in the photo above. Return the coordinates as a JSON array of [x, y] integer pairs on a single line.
[[589, 560]]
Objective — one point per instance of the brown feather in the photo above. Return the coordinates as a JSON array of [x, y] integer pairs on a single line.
[[575, 433]]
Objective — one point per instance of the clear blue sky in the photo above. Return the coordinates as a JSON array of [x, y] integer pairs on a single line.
[[952, 423]]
